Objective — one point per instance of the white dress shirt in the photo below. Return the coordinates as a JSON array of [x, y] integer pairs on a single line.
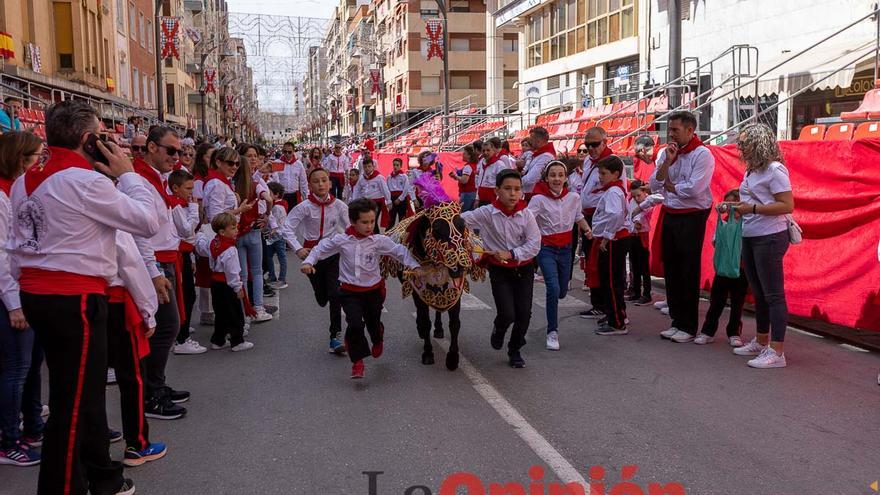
[[612, 215], [375, 188], [227, 263], [132, 274], [556, 215], [304, 222], [518, 233], [536, 168], [219, 197], [359, 257], [691, 175]]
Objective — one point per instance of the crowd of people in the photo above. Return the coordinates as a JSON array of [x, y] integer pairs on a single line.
[[105, 252]]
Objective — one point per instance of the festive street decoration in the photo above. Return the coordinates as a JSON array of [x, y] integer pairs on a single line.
[[374, 78], [210, 76], [33, 52], [434, 29], [169, 38], [349, 100], [194, 34], [7, 46]]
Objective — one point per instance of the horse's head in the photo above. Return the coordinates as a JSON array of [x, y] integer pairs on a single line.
[[445, 239]]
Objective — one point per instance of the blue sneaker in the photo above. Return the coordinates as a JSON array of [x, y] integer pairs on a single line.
[[336, 347], [134, 457], [19, 454], [115, 436]]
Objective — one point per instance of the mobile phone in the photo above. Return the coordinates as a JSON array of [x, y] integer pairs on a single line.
[[91, 149]]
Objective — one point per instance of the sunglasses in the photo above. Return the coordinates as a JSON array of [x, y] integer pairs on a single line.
[[137, 148], [172, 151], [230, 163], [582, 150], [189, 154], [594, 144]]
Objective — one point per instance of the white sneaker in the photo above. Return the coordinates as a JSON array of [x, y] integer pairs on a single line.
[[262, 315], [735, 341], [553, 341], [189, 347], [703, 339], [111, 376], [753, 348], [681, 337], [279, 285], [668, 333], [664, 310], [218, 347], [244, 346], [660, 305], [768, 359]]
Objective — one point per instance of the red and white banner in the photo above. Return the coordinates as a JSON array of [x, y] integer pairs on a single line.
[[374, 78], [210, 76], [434, 29], [229, 100], [349, 102], [169, 38]]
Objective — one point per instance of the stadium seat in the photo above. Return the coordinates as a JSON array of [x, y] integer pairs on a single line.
[[867, 130], [868, 109], [812, 133], [839, 132]]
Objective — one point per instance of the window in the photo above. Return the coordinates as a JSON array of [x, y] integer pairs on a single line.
[[509, 81], [151, 36], [63, 34], [136, 84], [460, 6], [430, 85], [120, 15], [429, 7], [169, 98], [459, 82], [132, 26], [459, 45], [511, 46], [553, 82], [142, 34]]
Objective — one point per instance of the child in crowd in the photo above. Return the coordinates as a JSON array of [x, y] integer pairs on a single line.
[[185, 214], [227, 290], [354, 176], [362, 292], [611, 228], [319, 216], [512, 239], [399, 187], [274, 241], [639, 259], [373, 187], [466, 178], [722, 287], [556, 209]]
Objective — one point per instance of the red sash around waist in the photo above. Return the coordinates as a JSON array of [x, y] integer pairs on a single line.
[[176, 258], [559, 239], [134, 322], [50, 282]]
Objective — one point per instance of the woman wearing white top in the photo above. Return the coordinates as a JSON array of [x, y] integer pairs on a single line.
[[767, 199]]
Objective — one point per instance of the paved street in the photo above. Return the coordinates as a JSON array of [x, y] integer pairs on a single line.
[[286, 418]]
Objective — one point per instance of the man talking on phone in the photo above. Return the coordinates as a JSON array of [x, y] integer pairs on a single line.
[[683, 174]]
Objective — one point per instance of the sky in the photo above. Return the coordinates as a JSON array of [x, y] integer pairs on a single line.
[[314, 8]]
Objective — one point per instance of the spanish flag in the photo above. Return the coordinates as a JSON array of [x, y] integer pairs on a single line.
[[7, 46]]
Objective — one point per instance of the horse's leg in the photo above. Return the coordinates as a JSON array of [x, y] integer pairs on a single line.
[[423, 324], [438, 325], [454, 326]]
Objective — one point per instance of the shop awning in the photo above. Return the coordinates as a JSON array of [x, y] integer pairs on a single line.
[[817, 69]]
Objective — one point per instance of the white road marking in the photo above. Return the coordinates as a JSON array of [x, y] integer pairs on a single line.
[[853, 348], [470, 301], [559, 464], [804, 332]]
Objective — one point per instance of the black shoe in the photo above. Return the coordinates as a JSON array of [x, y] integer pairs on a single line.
[[268, 292], [176, 396], [114, 435], [631, 298], [127, 487], [644, 301], [602, 321], [163, 408], [270, 309], [497, 339], [516, 360], [591, 314]]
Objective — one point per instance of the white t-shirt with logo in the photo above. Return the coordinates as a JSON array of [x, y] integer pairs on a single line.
[[759, 187]]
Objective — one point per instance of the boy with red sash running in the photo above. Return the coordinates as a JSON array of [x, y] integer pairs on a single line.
[[362, 290], [63, 280], [512, 239], [373, 187], [611, 227], [320, 216]]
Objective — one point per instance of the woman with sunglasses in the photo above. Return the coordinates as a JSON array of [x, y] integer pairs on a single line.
[[250, 188], [187, 157], [20, 356]]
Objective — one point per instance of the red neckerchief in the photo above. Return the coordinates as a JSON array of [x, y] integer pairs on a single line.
[[180, 166], [351, 231], [154, 178], [395, 174], [372, 175], [543, 188], [5, 185], [547, 148], [605, 153], [175, 201], [215, 174], [616, 183], [219, 244], [59, 159], [504, 152], [352, 182], [314, 199], [520, 205], [492, 160], [292, 160], [282, 203], [693, 144]]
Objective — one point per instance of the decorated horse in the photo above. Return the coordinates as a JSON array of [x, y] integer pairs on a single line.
[[438, 238]]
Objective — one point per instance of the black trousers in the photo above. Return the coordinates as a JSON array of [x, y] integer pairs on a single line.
[[167, 326], [336, 186], [612, 281], [325, 283], [362, 310], [722, 288], [640, 264], [76, 445], [512, 292], [596, 296], [396, 213], [189, 296], [228, 315], [682, 257], [122, 347], [291, 200]]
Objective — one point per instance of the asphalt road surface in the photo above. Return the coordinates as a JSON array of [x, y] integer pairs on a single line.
[[285, 418]]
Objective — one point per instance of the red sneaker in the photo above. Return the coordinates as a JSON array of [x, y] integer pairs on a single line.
[[378, 348], [357, 369]]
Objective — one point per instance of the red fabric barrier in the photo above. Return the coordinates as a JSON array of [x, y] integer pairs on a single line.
[[834, 274]]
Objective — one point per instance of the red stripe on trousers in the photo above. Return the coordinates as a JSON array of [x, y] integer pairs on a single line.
[[136, 360], [71, 439]]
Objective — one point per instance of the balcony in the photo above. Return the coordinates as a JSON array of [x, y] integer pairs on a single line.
[[193, 5]]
